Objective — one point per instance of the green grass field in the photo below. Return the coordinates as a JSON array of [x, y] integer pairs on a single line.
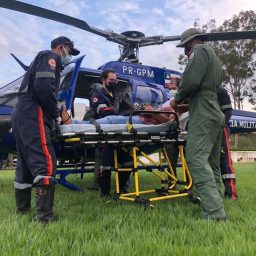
[[89, 226]]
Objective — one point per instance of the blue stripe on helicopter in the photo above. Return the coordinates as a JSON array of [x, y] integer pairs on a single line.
[[242, 123]]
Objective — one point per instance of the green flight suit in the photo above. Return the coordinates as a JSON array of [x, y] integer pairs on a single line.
[[199, 84]]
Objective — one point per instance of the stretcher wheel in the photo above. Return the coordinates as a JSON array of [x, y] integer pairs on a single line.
[[144, 202], [148, 206], [116, 196]]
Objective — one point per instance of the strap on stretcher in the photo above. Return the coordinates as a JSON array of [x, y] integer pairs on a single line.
[[97, 126]]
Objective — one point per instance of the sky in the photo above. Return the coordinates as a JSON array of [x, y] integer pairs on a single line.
[[25, 35]]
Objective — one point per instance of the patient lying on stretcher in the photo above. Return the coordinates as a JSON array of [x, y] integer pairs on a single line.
[[145, 118]]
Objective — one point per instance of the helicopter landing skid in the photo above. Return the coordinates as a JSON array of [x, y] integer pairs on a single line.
[[62, 177]]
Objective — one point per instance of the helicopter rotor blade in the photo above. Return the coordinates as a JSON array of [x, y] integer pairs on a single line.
[[223, 36], [44, 13], [216, 36], [62, 18], [110, 36], [156, 40], [127, 40]]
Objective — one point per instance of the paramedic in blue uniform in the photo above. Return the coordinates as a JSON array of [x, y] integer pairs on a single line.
[[102, 102], [102, 98], [227, 170], [32, 122]]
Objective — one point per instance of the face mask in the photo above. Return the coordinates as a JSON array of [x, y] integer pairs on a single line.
[[65, 59], [172, 93], [111, 86], [187, 50]]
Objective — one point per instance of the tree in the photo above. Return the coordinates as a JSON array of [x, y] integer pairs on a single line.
[[237, 57], [251, 93]]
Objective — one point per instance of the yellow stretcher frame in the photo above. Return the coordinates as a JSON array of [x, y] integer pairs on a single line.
[[171, 186], [163, 170]]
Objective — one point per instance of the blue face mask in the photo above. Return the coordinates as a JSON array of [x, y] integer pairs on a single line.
[[65, 59]]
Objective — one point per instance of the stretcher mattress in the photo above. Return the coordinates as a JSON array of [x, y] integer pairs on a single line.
[[116, 128]]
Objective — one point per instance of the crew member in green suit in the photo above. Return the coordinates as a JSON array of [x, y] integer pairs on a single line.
[[200, 82]]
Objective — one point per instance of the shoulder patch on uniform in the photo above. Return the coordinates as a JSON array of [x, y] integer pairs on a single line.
[[95, 99], [52, 63], [191, 56]]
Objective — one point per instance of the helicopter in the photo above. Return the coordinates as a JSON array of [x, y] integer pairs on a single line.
[[145, 84]]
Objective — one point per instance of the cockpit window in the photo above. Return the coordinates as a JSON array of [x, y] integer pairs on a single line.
[[146, 94], [9, 93]]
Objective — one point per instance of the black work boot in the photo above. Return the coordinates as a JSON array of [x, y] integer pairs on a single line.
[[104, 179], [44, 204], [123, 182], [23, 200], [230, 189]]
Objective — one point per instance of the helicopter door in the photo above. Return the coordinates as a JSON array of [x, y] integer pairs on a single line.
[[69, 93]]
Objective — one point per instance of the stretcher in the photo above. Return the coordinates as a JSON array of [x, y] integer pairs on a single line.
[[139, 140]]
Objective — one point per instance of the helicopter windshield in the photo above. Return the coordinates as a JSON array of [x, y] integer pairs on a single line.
[[9, 93], [145, 93]]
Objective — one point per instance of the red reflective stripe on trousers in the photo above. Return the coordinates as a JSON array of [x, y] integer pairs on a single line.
[[228, 147], [46, 181], [233, 188], [44, 145], [231, 181]]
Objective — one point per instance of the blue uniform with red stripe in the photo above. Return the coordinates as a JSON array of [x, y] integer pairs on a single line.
[[102, 102], [103, 105], [32, 122], [226, 166]]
